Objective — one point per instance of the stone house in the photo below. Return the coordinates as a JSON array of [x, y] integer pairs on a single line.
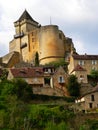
[[88, 62], [80, 73], [31, 75], [44, 80], [60, 80], [89, 100]]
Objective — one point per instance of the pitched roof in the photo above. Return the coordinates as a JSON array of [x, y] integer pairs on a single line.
[[85, 57], [93, 90], [26, 72], [27, 16], [78, 68]]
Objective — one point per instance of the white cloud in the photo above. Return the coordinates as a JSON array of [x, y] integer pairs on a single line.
[[63, 13], [79, 45]]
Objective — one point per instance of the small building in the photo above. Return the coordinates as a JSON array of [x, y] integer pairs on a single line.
[[31, 75], [60, 81], [80, 73], [89, 100], [88, 62]]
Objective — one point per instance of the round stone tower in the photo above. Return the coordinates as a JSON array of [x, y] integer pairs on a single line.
[[51, 44]]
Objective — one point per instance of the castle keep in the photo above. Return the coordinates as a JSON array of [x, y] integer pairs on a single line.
[[48, 41]]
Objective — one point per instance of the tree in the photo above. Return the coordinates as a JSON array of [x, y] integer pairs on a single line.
[[17, 87], [93, 77], [22, 89], [36, 59], [73, 86]]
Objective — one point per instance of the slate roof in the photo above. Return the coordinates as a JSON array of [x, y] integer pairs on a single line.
[[26, 72], [85, 57], [27, 16], [93, 90]]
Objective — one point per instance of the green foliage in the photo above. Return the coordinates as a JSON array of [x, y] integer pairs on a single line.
[[4, 75], [73, 86], [93, 124], [93, 77], [16, 113], [36, 59], [41, 115], [61, 62], [60, 126], [47, 98], [16, 87], [12, 103], [22, 89]]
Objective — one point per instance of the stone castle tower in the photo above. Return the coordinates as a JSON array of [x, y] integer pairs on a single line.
[[30, 37]]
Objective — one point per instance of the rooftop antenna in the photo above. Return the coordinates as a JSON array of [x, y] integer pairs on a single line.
[[50, 20]]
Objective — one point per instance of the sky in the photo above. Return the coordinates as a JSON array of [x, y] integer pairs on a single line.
[[78, 19]]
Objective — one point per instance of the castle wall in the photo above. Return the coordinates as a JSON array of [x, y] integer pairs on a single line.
[[24, 48], [34, 44], [14, 45], [51, 44], [25, 26]]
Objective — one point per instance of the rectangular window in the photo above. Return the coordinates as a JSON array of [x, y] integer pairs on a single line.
[[61, 79], [92, 98], [81, 62], [93, 68], [47, 81], [90, 105], [94, 62]]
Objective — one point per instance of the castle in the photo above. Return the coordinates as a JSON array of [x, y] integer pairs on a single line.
[[48, 41], [51, 45]]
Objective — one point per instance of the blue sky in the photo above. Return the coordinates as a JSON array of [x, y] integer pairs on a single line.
[[78, 19]]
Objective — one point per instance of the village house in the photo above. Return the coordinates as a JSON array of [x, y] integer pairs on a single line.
[[43, 80], [81, 65], [80, 73], [60, 80], [88, 62], [89, 100]]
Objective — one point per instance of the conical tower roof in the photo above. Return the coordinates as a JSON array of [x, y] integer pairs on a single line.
[[26, 16]]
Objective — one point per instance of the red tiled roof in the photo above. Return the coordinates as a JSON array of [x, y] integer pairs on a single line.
[[26, 72], [85, 57], [78, 68]]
